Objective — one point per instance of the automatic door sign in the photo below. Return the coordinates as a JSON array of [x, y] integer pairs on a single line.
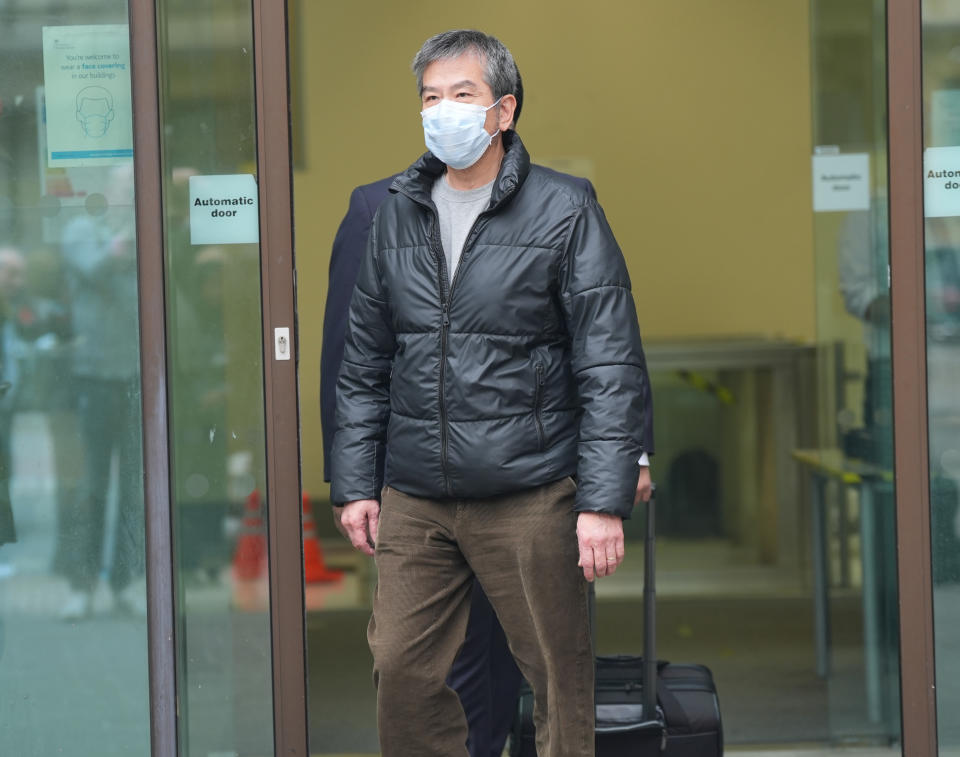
[[941, 182], [224, 209], [88, 112], [841, 182]]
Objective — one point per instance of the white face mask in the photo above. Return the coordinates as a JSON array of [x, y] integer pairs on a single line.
[[454, 132]]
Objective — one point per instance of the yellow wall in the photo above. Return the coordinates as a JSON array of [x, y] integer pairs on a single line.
[[691, 116]]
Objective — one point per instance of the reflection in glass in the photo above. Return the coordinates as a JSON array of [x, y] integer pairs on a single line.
[[100, 268], [941, 24], [216, 386], [942, 243], [854, 534], [73, 637]]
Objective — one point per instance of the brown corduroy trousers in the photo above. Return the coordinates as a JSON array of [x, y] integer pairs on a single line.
[[522, 547]]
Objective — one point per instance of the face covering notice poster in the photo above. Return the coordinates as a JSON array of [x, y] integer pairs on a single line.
[[88, 113]]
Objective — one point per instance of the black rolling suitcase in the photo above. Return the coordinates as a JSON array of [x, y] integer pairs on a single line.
[[666, 709]]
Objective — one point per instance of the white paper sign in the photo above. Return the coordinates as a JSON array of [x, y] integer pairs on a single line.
[[86, 76], [841, 182], [941, 182], [224, 209]]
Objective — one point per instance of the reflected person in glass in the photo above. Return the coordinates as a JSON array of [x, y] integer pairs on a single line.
[[11, 288], [864, 278], [11, 284], [29, 324], [99, 255]]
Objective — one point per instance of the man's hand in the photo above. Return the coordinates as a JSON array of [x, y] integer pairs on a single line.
[[644, 486], [600, 537], [361, 520]]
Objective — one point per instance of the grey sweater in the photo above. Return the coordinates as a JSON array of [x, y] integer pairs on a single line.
[[458, 209]]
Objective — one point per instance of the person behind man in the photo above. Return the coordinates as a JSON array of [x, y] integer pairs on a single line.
[[484, 674], [492, 390]]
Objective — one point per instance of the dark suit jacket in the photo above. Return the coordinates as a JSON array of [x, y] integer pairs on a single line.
[[348, 248]]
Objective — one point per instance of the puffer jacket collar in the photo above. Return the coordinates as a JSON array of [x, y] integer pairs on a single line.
[[417, 181]]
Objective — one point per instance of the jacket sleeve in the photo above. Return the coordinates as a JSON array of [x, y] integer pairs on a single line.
[[363, 387], [648, 441], [607, 362]]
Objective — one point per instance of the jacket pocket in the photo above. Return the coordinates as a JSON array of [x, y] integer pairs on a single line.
[[538, 404]]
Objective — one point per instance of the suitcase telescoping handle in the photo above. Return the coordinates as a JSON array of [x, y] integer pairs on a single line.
[[649, 701]]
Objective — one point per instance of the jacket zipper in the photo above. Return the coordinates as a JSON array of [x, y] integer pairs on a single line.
[[537, 402], [442, 278], [445, 298]]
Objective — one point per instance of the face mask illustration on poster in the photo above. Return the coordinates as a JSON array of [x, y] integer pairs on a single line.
[[95, 110]]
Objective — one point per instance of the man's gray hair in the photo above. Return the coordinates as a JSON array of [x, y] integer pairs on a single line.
[[500, 72]]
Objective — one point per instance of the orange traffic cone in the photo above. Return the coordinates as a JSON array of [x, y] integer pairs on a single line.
[[314, 571], [250, 557]]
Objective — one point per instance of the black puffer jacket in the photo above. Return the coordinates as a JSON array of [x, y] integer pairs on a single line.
[[525, 369]]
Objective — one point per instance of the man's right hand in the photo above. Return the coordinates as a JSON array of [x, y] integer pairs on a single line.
[[361, 521], [600, 537]]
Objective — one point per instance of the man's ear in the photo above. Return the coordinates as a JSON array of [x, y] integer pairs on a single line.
[[508, 104]]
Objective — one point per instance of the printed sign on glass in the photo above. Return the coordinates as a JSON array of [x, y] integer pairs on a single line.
[[88, 109], [224, 209]]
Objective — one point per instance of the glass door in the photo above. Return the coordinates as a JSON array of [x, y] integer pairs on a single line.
[[778, 553], [215, 374], [851, 472], [231, 361], [941, 189], [73, 602]]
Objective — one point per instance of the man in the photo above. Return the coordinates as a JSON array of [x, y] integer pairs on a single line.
[[492, 355], [484, 674]]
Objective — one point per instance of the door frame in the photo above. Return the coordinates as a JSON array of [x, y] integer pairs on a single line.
[[144, 72], [908, 343], [278, 284]]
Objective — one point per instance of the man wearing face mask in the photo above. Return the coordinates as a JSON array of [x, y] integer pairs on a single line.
[[491, 393], [484, 674]]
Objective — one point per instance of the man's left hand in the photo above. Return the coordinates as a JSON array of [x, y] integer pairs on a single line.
[[644, 486], [600, 536]]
